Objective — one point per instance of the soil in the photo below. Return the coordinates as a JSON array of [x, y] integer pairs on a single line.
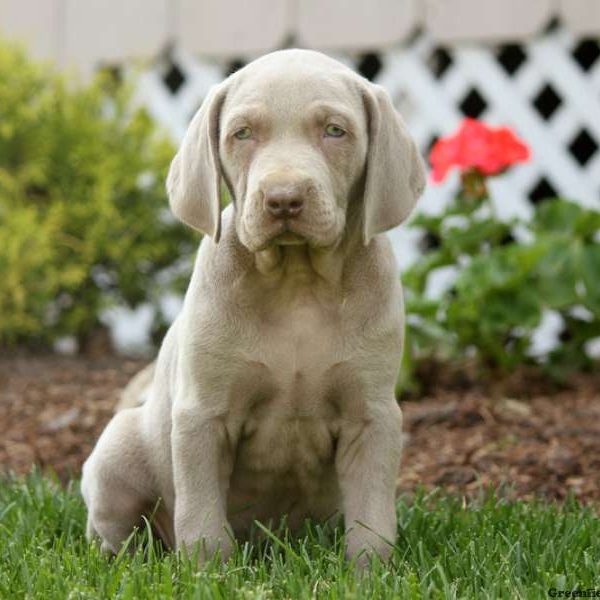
[[522, 435]]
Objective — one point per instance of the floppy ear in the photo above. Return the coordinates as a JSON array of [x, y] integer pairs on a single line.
[[395, 174], [194, 180]]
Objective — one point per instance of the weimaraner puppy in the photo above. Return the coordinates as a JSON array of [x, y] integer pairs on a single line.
[[273, 391]]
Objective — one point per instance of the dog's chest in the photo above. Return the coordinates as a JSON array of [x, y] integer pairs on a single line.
[[302, 338], [289, 418]]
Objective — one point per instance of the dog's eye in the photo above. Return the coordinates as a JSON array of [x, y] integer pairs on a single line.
[[244, 133], [334, 131]]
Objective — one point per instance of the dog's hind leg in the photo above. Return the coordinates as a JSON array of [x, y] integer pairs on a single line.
[[117, 484]]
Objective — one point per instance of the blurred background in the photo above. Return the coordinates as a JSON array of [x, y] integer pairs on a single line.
[[502, 289], [530, 65]]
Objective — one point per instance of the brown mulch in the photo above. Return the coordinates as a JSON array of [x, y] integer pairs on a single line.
[[53, 408], [528, 438], [546, 446]]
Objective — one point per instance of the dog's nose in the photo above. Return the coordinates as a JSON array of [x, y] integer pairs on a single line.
[[284, 202]]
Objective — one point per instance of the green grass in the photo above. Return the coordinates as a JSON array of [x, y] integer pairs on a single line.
[[488, 549]]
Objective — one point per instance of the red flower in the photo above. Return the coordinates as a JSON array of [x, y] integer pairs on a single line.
[[477, 146]]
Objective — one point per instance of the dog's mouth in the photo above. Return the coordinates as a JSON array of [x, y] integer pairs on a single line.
[[282, 235], [289, 238], [291, 232], [287, 233]]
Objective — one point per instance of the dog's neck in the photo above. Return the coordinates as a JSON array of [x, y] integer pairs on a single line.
[[300, 261]]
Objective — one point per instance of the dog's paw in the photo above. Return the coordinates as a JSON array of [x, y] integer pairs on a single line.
[[207, 547], [364, 546]]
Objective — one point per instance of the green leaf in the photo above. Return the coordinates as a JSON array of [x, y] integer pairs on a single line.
[[590, 273], [469, 240], [561, 216], [557, 271], [556, 215]]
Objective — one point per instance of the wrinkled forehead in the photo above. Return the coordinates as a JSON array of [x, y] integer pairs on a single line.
[[292, 91]]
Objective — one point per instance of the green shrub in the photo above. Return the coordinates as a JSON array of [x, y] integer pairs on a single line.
[[503, 285], [83, 211], [508, 275]]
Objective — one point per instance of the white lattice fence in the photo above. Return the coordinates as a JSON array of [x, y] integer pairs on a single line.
[[547, 89]]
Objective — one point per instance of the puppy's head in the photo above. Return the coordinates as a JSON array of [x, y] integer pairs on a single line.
[[299, 140]]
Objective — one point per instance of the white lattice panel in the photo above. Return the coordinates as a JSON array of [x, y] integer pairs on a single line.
[[547, 89]]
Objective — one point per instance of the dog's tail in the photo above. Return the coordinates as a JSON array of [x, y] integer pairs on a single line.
[[135, 393]]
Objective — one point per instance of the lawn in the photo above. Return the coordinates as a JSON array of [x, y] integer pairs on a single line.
[[446, 548]]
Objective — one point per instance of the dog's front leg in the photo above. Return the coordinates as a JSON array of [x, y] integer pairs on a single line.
[[367, 462], [202, 462]]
